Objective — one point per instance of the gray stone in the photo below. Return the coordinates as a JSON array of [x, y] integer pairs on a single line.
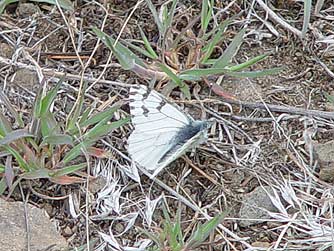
[[325, 155], [27, 9], [96, 184], [13, 229], [255, 205], [325, 152], [6, 50], [242, 89], [26, 78]]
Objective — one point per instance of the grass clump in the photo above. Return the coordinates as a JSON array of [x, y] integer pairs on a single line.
[[194, 53], [47, 148], [171, 236]]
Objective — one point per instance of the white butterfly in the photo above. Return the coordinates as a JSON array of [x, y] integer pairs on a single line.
[[162, 133]]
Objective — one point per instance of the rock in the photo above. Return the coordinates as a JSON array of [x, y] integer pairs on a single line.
[[95, 185], [327, 174], [325, 155], [42, 232], [27, 9], [6, 50], [242, 89], [67, 231], [325, 152], [25, 78], [255, 205], [261, 244]]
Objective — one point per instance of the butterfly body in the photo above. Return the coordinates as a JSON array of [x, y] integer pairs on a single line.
[[162, 132], [188, 137]]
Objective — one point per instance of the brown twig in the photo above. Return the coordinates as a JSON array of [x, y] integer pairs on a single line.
[[279, 20], [58, 74], [283, 109], [186, 159]]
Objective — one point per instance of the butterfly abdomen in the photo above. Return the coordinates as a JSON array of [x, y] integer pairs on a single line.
[[189, 133]]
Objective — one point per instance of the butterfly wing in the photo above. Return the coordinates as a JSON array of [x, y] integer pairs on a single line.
[[187, 138], [161, 131]]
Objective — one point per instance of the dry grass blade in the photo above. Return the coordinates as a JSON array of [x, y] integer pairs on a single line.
[[11, 109], [9, 172], [318, 6]]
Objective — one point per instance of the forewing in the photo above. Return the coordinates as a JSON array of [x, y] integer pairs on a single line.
[[156, 123], [148, 107]]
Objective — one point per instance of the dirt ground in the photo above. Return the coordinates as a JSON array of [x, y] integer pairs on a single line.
[[262, 151]]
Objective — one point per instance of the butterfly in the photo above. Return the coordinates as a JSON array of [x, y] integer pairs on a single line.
[[162, 132]]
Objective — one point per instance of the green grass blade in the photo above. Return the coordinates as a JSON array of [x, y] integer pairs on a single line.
[[77, 150], [48, 125], [216, 36], [4, 3], [2, 168], [85, 115], [147, 45], [307, 16], [171, 74], [3, 185], [50, 97], [57, 139], [209, 48], [177, 231], [255, 74], [197, 74], [40, 173], [177, 80], [5, 127], [20, 160], [206, 14], [170, 15], [106, 114], [203, 232], [102, 129], [230, 51], [30, 157], [139, 49], [15, 135], [178, 227], [74, 117], [149, 235], [155, 16], [68, 170], [65, 4], [125, 56], [36, 112], [221, 26], [248, 63], [329, 97]]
